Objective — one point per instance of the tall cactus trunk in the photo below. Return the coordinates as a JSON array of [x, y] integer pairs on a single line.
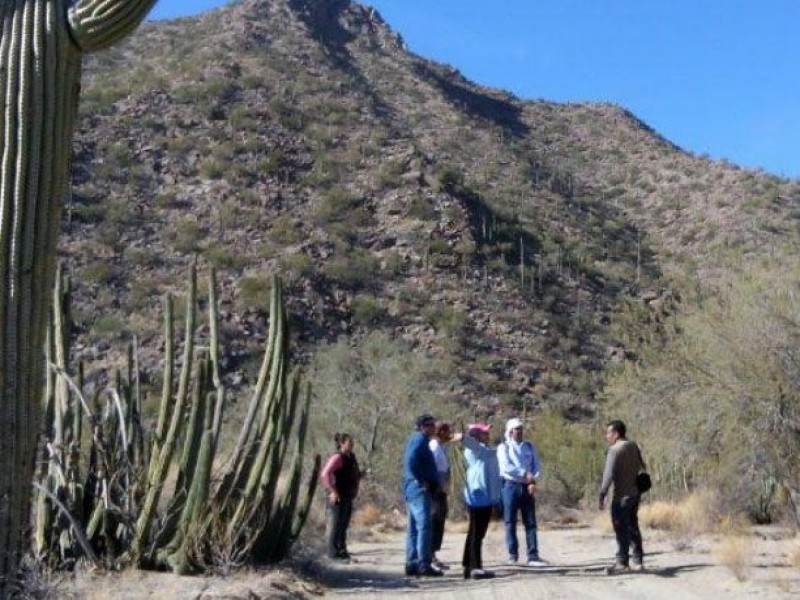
[[41, 45]]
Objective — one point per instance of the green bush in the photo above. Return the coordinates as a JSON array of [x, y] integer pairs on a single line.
[[366, 310], [254, 292], [573, 455], [713, 402], [421, 208], [188, 236], [354, 270], [372, 388]]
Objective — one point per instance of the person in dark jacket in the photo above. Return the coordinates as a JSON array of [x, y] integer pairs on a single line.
[[420, 483], [623, 464], [340, 477]]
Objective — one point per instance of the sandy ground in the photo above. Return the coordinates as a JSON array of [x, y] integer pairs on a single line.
[[677, 568]]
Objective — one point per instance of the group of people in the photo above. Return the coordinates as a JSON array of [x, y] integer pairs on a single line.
[[502, 477]]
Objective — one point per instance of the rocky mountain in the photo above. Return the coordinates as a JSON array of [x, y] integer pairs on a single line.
[[529, 244]]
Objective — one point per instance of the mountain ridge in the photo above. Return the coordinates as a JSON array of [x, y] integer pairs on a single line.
[[530, 244]]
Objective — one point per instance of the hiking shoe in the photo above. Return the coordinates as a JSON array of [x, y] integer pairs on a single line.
[[617, 568], [537, 562], [430, 571], [481, 574]]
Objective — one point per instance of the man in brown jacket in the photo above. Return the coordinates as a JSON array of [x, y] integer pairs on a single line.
[[623, 464]]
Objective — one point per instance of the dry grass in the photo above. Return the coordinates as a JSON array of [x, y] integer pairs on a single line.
[[367, 515], [691, 515], [683, 520], [731, 552]]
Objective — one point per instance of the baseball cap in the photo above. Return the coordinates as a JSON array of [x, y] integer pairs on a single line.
[[423, 420], [514, 424]]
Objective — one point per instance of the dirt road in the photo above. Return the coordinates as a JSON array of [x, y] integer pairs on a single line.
[[703, 567]]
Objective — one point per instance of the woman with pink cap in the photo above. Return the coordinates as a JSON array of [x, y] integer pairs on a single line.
[[481, 494]]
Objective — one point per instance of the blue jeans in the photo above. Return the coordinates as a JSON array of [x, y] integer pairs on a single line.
[[419, 533], [516, 498]]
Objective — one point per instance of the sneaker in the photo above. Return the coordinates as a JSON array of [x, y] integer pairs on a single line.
[[637, 566], [481, 574], [439, 564], [430, 571], [617, 568], [511, 560], [538, 562]]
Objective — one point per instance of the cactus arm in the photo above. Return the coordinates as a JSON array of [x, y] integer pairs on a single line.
[[213, 322], [97, 24]]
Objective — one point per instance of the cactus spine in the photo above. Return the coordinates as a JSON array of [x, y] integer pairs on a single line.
[[41, 46]]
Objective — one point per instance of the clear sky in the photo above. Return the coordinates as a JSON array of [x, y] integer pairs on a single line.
[[720, 77]]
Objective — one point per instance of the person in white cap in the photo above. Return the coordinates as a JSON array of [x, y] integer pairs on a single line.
[[519, 469]]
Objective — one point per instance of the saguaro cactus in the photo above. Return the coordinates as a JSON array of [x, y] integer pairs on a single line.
[[41, 46]]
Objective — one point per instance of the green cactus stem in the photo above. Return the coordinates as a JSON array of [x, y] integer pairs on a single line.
[[41, 47]]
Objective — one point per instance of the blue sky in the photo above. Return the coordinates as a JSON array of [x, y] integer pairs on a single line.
[[715, 77]]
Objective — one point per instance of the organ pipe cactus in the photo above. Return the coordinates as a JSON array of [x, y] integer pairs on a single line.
[[120, 507], [42, 43]]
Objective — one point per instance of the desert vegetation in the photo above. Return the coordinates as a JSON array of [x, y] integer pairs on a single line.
[[117, 487]]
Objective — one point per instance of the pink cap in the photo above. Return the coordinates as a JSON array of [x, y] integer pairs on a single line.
[[479, 427]]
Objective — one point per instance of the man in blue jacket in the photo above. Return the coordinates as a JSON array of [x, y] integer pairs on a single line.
[[420, 481]]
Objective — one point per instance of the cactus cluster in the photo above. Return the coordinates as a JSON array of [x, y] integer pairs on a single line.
[[104, 484], [42, 43]]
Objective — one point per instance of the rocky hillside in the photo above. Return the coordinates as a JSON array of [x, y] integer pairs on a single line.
[[526, 243]]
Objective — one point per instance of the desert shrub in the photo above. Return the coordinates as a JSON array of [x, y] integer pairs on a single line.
[[573, 454], [732, 552], [213, 167], [421, 208], [188, 236], [109, 326], [448, 322], [99, 272], [373, 388], [340, 206], [354, 269], [448, 178], [254, 291], [713, 403], [223, 257], [366, 310], [297, 265], [285, 231], [390, 175]]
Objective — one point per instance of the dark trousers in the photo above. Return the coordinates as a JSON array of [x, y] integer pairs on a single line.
[[479, 518], [625, 518], [438, 517], [336, 526]]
